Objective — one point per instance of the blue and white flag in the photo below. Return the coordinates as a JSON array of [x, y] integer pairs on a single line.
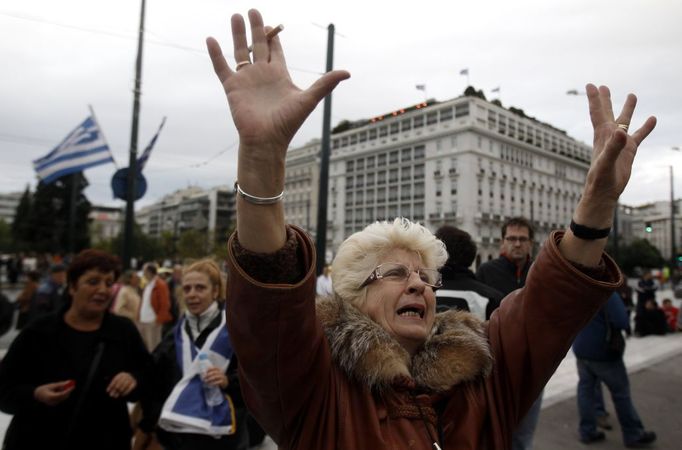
[[84, 147], [142, 160], [186, 409]]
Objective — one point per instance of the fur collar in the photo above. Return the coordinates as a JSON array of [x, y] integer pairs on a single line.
[[456, 351]]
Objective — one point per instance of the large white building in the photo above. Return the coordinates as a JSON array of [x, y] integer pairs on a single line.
[[466, 162]]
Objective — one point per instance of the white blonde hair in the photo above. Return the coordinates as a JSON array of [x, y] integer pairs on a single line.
[[361, 252]]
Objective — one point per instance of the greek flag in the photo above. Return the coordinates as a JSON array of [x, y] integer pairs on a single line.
[[84, 147], [142, 160]]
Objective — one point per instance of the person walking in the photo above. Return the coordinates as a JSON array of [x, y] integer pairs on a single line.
[[67, 378], [176, 410], [506, 274], [461, 289], [127, 301], [154, 307], [48, 298], [599, 360], [27, 297]]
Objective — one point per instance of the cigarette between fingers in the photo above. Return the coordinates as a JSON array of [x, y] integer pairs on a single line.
[[270, 34]]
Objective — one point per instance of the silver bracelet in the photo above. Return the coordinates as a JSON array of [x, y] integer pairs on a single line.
[[257, 200]]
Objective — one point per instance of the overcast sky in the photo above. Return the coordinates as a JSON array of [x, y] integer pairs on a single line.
[[58, 57]]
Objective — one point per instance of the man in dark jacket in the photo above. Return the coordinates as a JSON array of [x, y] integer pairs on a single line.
[[599, 363], [461, 289], [506, 274]]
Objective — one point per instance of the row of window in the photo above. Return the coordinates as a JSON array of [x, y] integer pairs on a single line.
[[402, 125], [535, 136], [407, 191], [366, 215], [382, 177], [405, 155]]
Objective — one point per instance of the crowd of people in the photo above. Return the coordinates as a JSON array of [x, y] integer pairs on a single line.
[[399, 344]]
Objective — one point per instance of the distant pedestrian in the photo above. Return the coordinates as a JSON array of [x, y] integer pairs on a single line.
[[671, 314], [127, 301], [651, 320], [646, 290], [49, 298], [27, 297], [154, 308], [461, 289], [600, 362], [506, 274], [324, 282]]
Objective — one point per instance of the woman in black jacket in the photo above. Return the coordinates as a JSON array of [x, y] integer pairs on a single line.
[[68, 376], [176, 375]]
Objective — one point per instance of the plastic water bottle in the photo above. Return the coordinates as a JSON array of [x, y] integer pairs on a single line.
[[213, 394]]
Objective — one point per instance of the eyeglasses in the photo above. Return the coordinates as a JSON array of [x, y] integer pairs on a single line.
[[515, 239], [400, 272]]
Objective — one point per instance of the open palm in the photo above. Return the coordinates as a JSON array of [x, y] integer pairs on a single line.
[[267, 108], [614, 150]]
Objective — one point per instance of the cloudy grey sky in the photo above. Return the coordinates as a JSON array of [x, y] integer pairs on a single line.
[[60, 57]]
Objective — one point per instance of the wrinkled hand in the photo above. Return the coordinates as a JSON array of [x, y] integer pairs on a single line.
[[267, 108], [53, 394], [215, 377], [612, 158], [121, 385]]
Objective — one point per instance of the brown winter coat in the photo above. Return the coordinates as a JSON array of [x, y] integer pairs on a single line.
[[330, 378]]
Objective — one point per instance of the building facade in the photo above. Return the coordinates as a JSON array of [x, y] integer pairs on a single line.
[[301, 185], [465, 162], [657, 215], [106, 222], [8, 205], [211, 211]]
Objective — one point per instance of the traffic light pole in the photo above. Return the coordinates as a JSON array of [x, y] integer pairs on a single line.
[[321, 233]]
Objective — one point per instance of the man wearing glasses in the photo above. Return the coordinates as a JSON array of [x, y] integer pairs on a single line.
[[506, 274]]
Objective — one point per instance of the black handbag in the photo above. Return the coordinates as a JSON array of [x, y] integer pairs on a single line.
[[615, 342]]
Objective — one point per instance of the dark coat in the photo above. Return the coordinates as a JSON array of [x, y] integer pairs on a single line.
[[330, 378], [460, 287], [591, 343], [42, 354], [503, 275]]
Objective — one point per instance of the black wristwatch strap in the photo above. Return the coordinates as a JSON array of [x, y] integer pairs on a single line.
[[587, 233]]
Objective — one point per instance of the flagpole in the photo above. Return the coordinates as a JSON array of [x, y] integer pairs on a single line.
[[75, 178], [94, 117], [132, 169]]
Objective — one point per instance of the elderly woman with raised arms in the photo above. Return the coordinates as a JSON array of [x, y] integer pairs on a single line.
[[373, 366]]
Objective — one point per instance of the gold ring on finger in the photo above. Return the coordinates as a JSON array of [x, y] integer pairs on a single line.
[[242, 64], [624, 126]]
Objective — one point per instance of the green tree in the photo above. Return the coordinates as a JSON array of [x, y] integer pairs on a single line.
[[192, 244], [639, 253], [49, 217], [145, 247], [5, 237]]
